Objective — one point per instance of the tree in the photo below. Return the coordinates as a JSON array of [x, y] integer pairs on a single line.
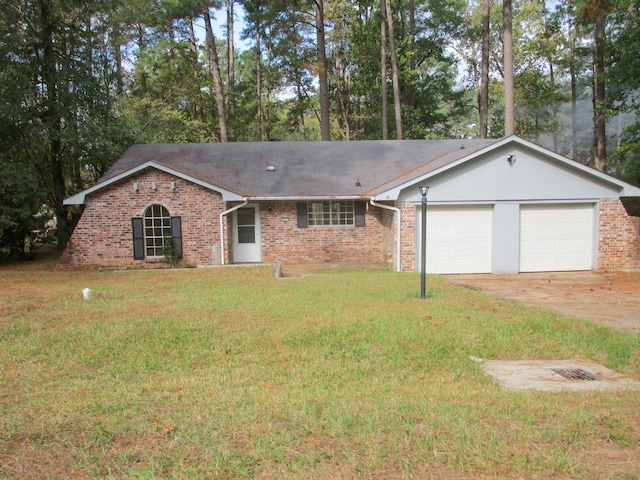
[[509, 90], [66, 76], [214, 67], [395, 76], [483, 100]]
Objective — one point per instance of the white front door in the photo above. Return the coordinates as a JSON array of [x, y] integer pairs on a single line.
[[247, 235]]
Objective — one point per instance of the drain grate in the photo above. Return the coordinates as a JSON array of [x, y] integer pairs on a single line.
[[574, 374]]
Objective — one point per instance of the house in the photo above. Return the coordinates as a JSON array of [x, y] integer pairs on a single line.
[[499, 205]]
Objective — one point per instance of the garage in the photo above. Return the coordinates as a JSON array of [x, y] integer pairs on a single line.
[[556, 237], [458, 239]]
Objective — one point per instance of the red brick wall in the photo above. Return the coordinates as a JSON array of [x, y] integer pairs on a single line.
[[619, 242], [408, 235], [104, 237], [284, 242]]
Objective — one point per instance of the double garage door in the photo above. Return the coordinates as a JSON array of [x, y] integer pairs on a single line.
[[556, 237]]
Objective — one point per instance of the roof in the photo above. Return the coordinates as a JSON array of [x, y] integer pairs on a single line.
[[283, 170]]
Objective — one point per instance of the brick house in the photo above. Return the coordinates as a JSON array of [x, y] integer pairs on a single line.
[[500, 205]]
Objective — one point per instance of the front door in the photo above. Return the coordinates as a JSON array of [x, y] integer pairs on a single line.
[[246, 235]]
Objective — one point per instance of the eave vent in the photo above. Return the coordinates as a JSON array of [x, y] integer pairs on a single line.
[[575, 374]]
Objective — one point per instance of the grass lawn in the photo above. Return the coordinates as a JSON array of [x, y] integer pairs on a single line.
[[231, 373]]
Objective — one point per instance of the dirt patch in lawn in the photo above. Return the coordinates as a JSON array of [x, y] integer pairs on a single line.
[[608, 298]]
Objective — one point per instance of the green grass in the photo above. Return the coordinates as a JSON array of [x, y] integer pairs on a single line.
[[231, 373]]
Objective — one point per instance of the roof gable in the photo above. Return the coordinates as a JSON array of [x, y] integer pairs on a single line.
[[534, 173]]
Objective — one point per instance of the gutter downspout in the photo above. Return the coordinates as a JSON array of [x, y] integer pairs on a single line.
[[222, 238], [398, 230]]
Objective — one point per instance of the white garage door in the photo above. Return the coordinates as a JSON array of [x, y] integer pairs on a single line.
[[556, 237], [458, 239]]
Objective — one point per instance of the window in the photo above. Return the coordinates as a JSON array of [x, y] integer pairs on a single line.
[[157, 226], [331, 212], [151, 232]]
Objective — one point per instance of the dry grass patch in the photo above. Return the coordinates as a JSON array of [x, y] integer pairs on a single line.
[[231, 373]]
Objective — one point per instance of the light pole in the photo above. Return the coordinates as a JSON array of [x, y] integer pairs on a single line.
[[423, 252]]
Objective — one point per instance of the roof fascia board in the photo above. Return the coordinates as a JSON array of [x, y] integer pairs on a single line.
[[80, 197], [626, 189]]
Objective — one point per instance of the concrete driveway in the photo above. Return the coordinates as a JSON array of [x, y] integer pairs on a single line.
[[607, 298]]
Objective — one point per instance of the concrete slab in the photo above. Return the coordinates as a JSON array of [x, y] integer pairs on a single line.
[[540, 375]]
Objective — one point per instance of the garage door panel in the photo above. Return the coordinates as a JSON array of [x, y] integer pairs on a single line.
[[556, 237], [458, 239]]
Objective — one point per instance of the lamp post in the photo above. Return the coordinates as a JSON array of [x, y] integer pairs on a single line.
[[423, 252]]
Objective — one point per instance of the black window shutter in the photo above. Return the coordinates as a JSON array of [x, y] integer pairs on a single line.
[[137, 224], [176, 234], [360, 210], [303, 219]]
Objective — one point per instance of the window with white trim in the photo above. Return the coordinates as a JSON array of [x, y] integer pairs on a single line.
[[331, 213], [157, 227]]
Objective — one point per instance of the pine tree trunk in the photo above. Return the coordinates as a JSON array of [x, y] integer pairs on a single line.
[[325, 126], [483, 104], [230, 59], [509, 102], [259, 82], [394, 71], [601, 135], [383, 70], [217, 79]]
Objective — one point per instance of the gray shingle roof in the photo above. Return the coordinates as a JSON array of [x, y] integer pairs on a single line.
[[301, 169]]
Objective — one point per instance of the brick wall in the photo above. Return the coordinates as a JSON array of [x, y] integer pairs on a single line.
[[284, 242], [104, 237], [619, 241], [408, 235]]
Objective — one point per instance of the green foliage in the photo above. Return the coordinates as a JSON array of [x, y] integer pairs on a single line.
[[171, 254]]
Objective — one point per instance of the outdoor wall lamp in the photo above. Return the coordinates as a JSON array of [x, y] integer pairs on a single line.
[[173, 186], [136, 186], [424, 190], [154, 186]]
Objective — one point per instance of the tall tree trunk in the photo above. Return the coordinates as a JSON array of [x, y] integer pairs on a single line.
[[193, 46], [394, 70], [412, 66], [259, 81], [483, 103], [509, 102], [600, 132], [383, 70], [325, 126], [231, 107], [217, 79]]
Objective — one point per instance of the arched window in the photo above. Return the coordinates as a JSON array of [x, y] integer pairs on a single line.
[[157, 227], [154, 232]]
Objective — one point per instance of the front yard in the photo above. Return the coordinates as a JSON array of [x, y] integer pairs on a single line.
[[232, 373]]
